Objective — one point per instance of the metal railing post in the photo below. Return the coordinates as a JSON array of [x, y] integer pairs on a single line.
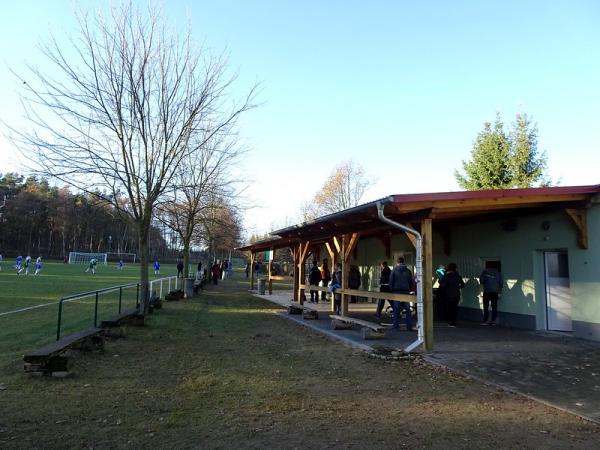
[[96, 311], [160, 289], [60, 303], [137, 296], [120, 297]]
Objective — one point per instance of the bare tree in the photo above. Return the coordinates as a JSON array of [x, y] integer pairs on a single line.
[[119, 117], [343, 189], [207, 174]]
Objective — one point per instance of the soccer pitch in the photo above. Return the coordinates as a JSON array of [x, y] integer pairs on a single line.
[[29, 329]]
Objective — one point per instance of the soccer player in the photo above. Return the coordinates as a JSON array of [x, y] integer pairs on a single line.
[[27, 262], [92, 266], [121, 265], [19, 261], [38, 265], [156, 267]]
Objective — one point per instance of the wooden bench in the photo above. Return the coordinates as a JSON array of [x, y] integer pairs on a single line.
[[369, 330], [49, 359], [308, 312], [129, 316]]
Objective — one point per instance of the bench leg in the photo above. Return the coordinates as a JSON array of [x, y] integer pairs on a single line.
[[294, 310], [340, 325], [310, 314], [52, 364], [368, 333]]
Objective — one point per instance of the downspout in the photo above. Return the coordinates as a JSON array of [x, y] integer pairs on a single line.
[[419, 276]]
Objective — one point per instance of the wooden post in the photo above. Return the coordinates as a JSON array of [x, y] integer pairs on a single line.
[[270, 269], [302, 255], [342, 251], [427, 283], [252, 259], [296, 254]]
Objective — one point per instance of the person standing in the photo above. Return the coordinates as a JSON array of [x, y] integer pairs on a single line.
[[256, 269], [354, 280], [384, 286], [199, 271], [401, 282], [180, 269], [38, 265], [450, 285], [247, 269], [156, 267], [336, 283], [491, 280], [325, 278], [314, 276], [215, 271]]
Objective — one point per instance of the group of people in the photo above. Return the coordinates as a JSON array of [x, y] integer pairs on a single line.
[[22, 264], [400, 280], [220, 270], [451, 283]]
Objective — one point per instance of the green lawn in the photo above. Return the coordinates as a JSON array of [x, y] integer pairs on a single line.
[[223, 371], [28, 330]]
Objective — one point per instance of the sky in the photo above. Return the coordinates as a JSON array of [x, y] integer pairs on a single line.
[[400, 87]]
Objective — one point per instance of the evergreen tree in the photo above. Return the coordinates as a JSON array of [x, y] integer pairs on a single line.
[[501, 161], [527, 164], [489, 166]]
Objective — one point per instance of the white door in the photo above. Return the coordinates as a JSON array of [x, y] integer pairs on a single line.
[[558, 291]]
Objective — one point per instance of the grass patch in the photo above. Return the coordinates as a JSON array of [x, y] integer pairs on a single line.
[[223, 371]]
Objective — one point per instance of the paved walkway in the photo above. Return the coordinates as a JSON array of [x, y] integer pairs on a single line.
[[552, 368]]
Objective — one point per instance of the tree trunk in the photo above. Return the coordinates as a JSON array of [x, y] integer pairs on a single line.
[[144, 258], [186, 258]]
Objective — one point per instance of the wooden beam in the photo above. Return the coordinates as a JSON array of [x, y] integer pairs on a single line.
[[427, 283], [330, 251], [351, 245], [579, 218], [344, 246], [411, 237], [302, 254], [338, 247], [252, 259], [296, 274]]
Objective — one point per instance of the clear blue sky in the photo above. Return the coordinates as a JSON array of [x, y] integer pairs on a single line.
[[401, 87]]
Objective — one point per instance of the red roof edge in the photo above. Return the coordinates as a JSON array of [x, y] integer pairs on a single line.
[[497, 193]]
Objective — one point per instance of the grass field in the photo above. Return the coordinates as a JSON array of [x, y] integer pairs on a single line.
[[223, 371], [27, 330]]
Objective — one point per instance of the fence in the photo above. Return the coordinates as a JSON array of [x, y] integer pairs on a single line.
[[167, 282]]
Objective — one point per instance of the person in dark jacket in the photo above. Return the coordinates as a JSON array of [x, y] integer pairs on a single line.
[[215, 272], [336, 283], [450, 285], [384, 286], [314, 276], [401, 282], [179, 269], [354, 278]]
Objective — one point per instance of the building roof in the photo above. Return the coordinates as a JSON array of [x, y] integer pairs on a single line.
[[441, 207]]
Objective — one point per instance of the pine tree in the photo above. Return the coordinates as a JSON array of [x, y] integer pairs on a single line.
[[501, 161], [489, 166], [527, 164]]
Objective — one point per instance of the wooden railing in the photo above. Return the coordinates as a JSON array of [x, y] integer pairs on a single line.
[[361, 293]]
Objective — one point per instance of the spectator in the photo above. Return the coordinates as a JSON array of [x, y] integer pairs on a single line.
[[336, 283], [450, 286], [256, 269], [354, 278], [314, 277], [491, 280], [180, 269], [401, 282], [384, 286], [325, 278], [215, 272], [247, 269]]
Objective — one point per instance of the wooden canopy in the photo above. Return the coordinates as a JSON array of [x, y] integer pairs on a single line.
[[341, 231]]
